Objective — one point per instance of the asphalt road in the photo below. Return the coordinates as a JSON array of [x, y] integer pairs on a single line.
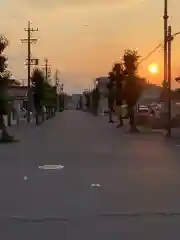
[[138, 177]]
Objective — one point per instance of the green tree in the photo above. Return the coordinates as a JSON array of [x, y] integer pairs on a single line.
[[38, 82], [44, 93], [49, 95]]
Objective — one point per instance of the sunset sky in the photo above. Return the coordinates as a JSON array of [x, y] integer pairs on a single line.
[[83, 38]]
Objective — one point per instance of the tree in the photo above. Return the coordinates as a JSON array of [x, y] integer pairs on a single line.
[[95, 97], [38, 82], [133, 83], [4, 77], [117, 68], [131, 60], [49, 95], [117, 76], [165, 92]]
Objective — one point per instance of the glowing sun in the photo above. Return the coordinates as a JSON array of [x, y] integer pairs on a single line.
[[153, 68]]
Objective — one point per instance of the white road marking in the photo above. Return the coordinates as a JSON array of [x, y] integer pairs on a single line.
[[51, 167], [95, 185], [177, 145]]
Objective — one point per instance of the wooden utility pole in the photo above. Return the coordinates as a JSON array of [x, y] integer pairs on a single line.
[[57, 81], [29, 40], [169, 38], [165, 41], [47, 69]]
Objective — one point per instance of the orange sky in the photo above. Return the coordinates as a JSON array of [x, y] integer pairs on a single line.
[[84, 38]]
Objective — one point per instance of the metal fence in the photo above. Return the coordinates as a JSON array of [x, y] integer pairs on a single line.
[[17, 111]]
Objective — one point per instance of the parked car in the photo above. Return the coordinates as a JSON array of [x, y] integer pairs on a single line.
[[143, 109], [142, 116]]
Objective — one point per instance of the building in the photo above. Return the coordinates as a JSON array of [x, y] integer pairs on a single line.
[[151, 93], [75, 99], [101, 83]]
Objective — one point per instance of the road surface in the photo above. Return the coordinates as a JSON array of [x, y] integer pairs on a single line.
[[136, 193]]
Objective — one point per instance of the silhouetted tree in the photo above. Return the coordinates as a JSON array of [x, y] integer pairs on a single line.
[[133, 83], [4, 77], [95, 96], [118, 73], [164, 93], [88, 99], [111, 86], [38, 81], [131, 60], [50, 95]]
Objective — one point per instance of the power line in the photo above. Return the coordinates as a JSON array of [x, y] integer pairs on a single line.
[[156, 48]]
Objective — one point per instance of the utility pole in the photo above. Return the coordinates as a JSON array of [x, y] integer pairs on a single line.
[[29, 40], [62, 88], [165, 41], [169, 38], [57, 88], [47, 69]]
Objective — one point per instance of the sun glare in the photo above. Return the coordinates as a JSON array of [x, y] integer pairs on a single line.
[[153, 68]]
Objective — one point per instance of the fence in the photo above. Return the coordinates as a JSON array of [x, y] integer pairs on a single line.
[[15, 115]]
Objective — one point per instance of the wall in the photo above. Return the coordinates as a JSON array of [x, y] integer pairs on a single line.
[[17, 91]]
